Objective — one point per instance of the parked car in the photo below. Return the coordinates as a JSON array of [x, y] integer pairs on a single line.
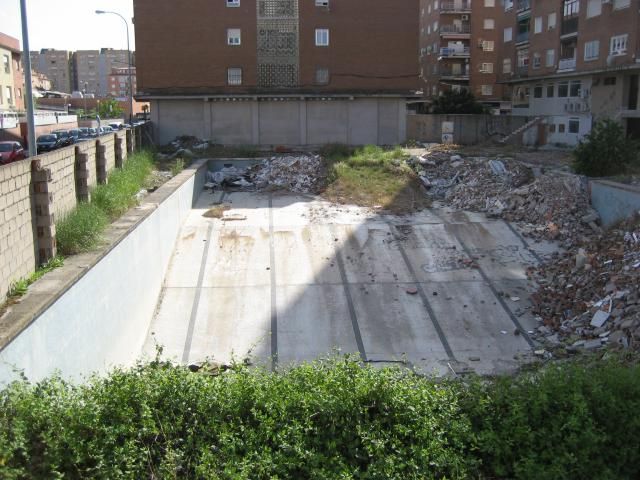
[[116, 126], [11, 152], [64, 137], [84, 133], [47, 143], [75, 133], [93, 132]]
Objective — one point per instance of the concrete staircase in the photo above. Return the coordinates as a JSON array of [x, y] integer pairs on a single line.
[[521, 129]]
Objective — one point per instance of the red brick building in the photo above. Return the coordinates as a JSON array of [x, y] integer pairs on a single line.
[[287, 72]]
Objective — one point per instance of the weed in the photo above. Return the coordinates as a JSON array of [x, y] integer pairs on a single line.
[[81, 230], [177, 167], [20, 287]]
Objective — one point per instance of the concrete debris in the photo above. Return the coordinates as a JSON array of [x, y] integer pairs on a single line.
[[552, 206], [299, 174], [591, 292]]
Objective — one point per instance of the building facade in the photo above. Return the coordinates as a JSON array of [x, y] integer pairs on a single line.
[[119, 82], [570, 63], [56, 65], [459, 42], [86, 71], [11, 74], [281, 72]]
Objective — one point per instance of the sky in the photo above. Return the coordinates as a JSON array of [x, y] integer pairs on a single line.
[[69, 24]]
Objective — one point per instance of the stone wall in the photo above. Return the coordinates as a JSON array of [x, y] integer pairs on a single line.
[[467, 129], [36, 192]]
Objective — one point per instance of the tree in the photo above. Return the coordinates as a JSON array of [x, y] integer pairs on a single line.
[[110, 108], [460, 102]]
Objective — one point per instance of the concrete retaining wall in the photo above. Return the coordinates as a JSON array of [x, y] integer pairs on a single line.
[[36, 192], [468, 129], [291, 122], [614, 201], [99, 318]]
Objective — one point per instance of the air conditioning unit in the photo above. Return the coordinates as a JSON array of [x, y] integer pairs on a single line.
[[465, 17]]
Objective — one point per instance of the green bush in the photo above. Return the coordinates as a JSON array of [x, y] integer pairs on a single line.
[[81, 229], [332, 420], [605, 151], [461, 102]]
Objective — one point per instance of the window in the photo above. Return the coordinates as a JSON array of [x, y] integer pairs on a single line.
[[6, 63], [435, 26], [489, 23], [537, 91], [488, 46], [551, 21], [508, 34], [621, 4], [594, 8], [322, 37], [234, 76], [619, 44], [571, 8], [435, 5], [506, 65], [508, 5], [428, 29], [233, 3], [574, 125], [591, 50], [489, 3], [536, 60], [551, 58], [563, 89], [575, 88], [486, 68], [610, 81], [550, 89], [561, 128], [486, 90], [9, 97], [552, 128], [322, 76], [19, 90], [537, 27], [233, 36], [325, 3]]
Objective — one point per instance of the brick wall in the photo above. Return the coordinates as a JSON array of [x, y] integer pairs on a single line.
[[17, 251], [36, 192]]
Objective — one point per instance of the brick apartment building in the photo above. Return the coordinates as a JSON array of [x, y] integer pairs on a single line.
[[278, 72], [119, 82], [56, 65], [570, 63], [459, 41], [11, 74]]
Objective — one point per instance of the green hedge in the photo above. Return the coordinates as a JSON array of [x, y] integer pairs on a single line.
[[333, 420]]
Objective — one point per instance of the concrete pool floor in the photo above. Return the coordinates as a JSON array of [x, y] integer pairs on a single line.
[[301, 278]]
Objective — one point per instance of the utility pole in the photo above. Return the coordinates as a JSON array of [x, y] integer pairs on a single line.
[[26, 63]]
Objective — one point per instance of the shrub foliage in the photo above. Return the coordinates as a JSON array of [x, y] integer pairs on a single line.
[[606, 151], [332, 420]]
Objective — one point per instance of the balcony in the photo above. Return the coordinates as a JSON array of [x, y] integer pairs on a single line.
[[447, 30], [566, 64], [522, 37], [456, 6], [569, 26], [457, 52], [459, 73]]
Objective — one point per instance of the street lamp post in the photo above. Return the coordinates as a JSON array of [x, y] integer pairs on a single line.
[[101, 12], [26, 62]]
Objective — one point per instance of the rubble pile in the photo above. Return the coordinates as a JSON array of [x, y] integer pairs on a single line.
[[299, 174], [589, 296], [552, 206]]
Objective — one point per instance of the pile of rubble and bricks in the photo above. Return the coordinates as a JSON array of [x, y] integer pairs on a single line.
[[551, 206], [296, 173], [589, 296], [183, 147]]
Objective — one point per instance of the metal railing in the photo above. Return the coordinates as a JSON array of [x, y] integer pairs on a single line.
[[454, 52], [455, 29], [452, 72], [455, 5], [567, 64], [522, 37]]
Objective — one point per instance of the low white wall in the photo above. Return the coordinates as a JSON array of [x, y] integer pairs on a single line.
[[103, 319]]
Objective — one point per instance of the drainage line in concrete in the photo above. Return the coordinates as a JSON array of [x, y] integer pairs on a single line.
[[425, 301], [196, 299], [274, 307], [524, 242], [352, 310], [493, 289]]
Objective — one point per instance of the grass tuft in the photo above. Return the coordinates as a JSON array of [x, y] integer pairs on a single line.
[[81, 230]]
